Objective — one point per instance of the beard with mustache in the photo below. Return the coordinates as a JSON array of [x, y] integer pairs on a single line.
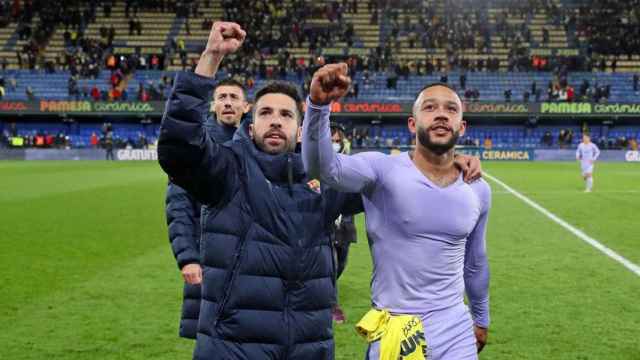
[[436, 148], [261, 142]]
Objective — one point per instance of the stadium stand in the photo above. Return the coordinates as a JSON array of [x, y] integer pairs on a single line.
[[489, 50], [138, 135]]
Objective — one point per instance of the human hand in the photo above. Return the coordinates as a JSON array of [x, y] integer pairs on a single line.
[[329, 83], [192, 274], [225, 38], [481, 336], [470, 167]]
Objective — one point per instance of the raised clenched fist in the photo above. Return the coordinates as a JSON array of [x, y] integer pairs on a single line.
[[330, 83], [225, 38]]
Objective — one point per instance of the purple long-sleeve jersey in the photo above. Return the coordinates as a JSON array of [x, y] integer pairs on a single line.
[[427, 242]]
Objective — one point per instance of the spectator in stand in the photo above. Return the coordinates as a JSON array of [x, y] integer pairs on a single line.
[[547, 139], [40, 140], [606, 93], [475, 95], [610, 37], [95, 93], [468, 94], [13, 84], [108, 142], [562, 94], [132, 26], [74, 91], [569, 137], [353, 90], [507, 95], [463, 81], [488, 143], [143, 94], [93, 141], [565, 137], [142, 142], [570, 94], [31, 96], [290, 27], [622, 142], [59, 140], [107, 9], [4, 139], [116, 78], [392, 78], [115, 94], [111, 62], [49, 140]]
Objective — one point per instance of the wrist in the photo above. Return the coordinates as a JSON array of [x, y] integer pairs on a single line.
[[189, 263], [208, 64], [213, 57], [317, 103]]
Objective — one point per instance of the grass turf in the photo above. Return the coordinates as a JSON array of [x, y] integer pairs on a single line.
[[88, 272]]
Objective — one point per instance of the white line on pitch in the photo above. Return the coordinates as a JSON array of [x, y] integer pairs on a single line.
[[567, 192], [577, 232]]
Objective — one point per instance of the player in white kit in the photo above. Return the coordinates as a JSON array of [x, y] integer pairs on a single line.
[[587, 154]]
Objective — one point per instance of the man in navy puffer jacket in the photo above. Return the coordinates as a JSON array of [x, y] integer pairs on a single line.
[[268, 273], [183, 211]]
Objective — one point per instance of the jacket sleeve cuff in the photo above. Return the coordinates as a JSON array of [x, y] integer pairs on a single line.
[[184, 261]]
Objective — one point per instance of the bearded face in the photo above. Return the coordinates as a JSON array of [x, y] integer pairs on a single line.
[[439, 137], [275, 127], [437, 120]]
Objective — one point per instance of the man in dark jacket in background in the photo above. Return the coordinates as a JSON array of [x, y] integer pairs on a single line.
[[183, 211], [268, 273], [107, 141], [345, 228]]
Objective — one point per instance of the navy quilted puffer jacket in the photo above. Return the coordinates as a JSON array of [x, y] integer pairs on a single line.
[[269, 278], [183, 222]]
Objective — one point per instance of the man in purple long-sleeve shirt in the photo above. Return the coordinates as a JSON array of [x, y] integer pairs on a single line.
[[426, 226]]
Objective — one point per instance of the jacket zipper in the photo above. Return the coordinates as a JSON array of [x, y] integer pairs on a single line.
[[231, 279], [290, 174]]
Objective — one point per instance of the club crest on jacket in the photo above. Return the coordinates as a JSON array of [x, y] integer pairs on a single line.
[[314, 185]]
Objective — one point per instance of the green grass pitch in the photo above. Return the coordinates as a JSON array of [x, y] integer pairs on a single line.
[[87, 271]]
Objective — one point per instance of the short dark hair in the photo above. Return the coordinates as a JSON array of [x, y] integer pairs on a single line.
[[282, 87], [428, 86], [231, 82], [337, 127]]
